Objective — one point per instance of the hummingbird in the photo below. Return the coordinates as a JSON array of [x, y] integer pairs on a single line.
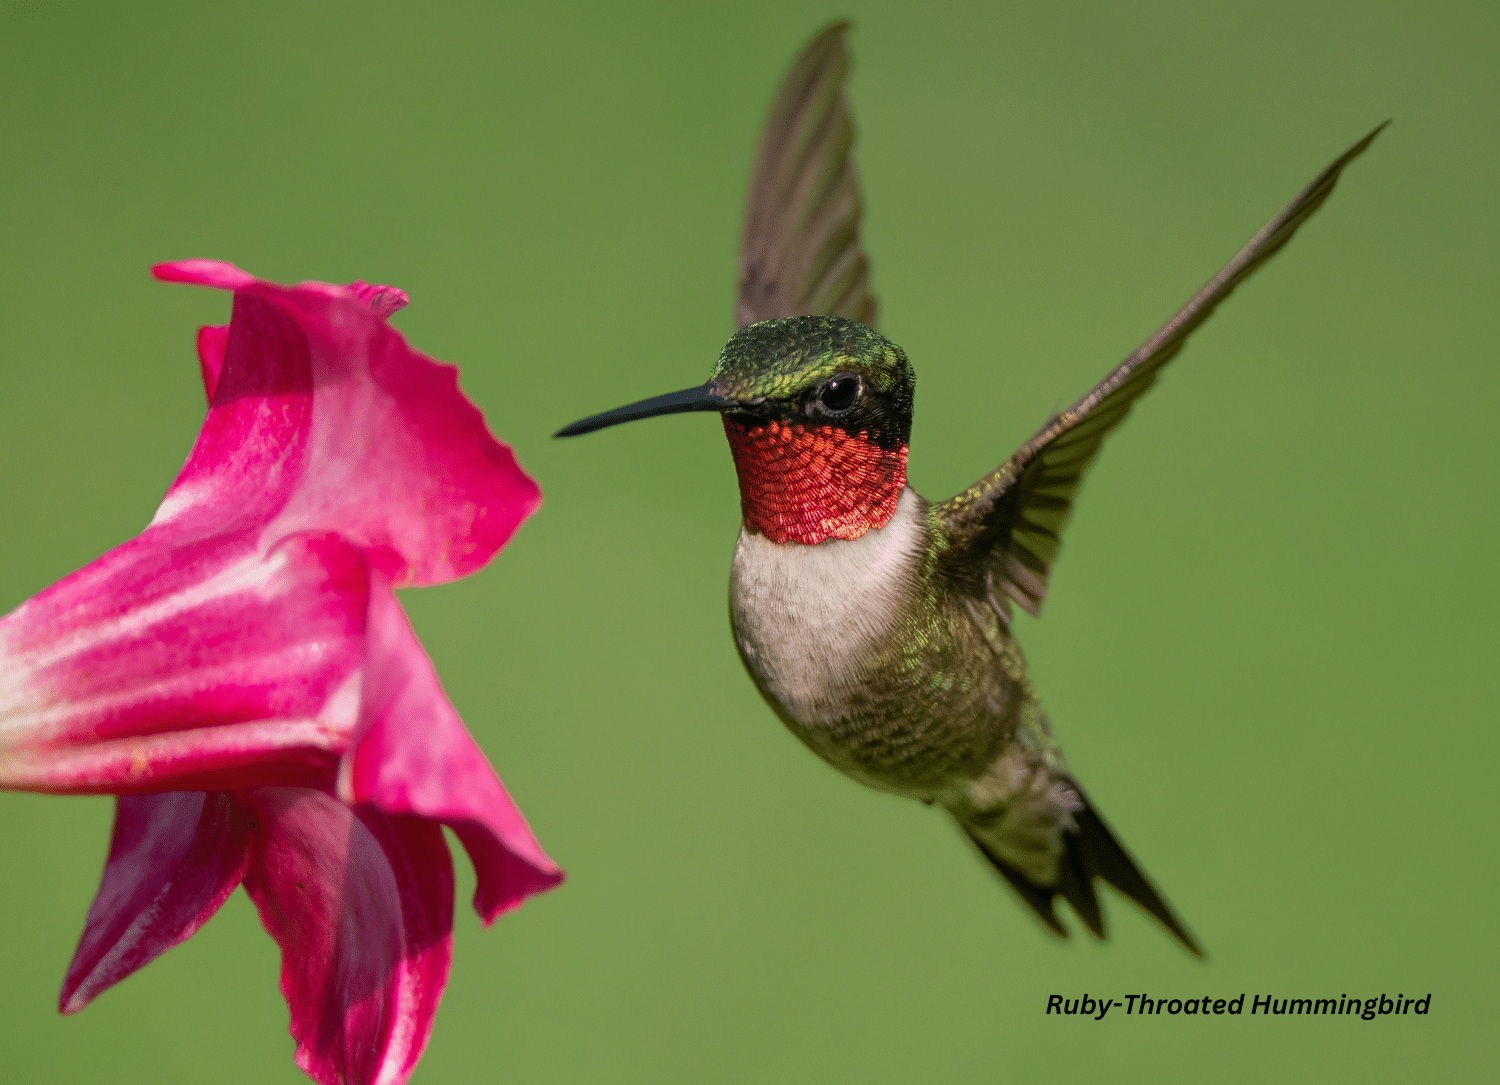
[[875, 623]]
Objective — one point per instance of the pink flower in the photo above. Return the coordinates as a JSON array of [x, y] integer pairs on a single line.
[[242, 676]]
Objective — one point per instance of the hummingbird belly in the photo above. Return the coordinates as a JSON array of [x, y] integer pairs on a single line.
[[866, 659]]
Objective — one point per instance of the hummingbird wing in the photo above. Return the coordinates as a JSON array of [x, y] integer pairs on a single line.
[[1010, 522], [800, 254]]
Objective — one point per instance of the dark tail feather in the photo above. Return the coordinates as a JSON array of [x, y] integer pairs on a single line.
[[1091, 852]]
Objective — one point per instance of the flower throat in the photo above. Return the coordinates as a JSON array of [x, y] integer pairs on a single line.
[[805, 484]]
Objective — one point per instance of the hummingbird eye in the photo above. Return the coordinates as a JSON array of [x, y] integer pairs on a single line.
[[839, 394]]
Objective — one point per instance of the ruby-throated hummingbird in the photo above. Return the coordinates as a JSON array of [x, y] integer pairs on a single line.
[[875, 623]]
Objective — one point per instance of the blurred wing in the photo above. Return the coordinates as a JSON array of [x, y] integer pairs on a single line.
[[1010, 522], [800, 254]]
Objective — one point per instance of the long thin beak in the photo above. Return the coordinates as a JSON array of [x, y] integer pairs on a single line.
[[705, 397]]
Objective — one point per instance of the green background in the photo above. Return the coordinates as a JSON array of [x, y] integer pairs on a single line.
[[1269, 648]]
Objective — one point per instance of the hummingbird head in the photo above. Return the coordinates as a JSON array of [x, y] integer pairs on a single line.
[[818, 371], [818, 413]]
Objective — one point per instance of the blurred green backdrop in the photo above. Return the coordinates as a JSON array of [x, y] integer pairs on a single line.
[[1269, 650]]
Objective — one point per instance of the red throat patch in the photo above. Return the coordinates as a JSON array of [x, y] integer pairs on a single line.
[[805, 484]]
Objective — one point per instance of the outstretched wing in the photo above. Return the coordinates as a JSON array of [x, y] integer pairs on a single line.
[[800, 254], [1010, 522]]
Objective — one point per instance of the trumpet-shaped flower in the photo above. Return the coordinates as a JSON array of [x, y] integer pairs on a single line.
[[242, 676]]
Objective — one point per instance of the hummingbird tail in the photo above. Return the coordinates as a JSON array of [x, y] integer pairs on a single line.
[[1091, 851]]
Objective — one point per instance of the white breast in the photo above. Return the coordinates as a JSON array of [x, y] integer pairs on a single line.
[[805, 616]]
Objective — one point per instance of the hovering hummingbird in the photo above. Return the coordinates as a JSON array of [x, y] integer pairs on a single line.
[[875, 623]]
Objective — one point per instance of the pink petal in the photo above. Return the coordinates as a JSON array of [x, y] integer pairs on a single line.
[[382, 300], [251, 453], [362, 906], [326, 420], [196, 666], [213, 342], [414, 755], [203, 273], [173, 860], [301, 753]]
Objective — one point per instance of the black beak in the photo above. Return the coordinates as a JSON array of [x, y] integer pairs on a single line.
[[703, 398]]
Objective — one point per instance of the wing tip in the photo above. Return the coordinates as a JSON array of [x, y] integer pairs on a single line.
[[1353, 152], [797, 204], [836, 29]]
